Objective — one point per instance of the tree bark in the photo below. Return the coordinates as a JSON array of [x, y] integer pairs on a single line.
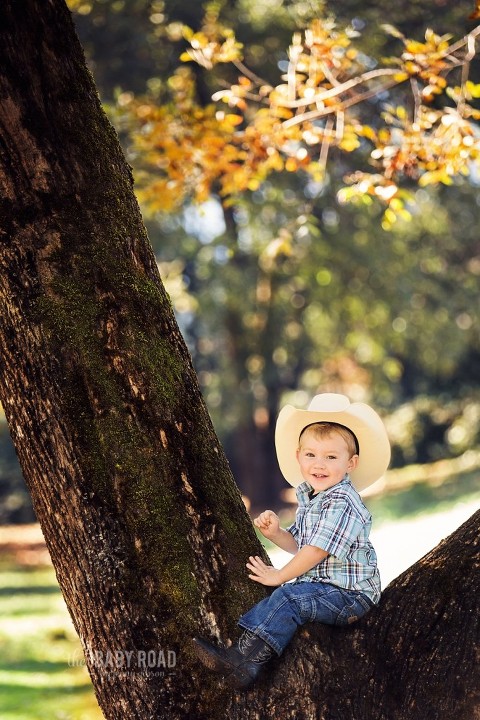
[[415, 657], [144, 524], [145, 527]]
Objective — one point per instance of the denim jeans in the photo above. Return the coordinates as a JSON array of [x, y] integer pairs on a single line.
[[276, 618]]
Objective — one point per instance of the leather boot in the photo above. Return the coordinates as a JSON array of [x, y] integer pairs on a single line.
[[239, 664]]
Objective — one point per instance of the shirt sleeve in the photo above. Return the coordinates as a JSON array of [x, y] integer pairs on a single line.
[[336, 529], [293, 530]]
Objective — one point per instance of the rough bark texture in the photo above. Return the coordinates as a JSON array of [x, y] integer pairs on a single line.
[[145, 527], [144, 524], [415, 657]]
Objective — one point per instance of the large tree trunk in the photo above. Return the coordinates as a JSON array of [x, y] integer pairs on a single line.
[[146, 529], [144, 524]]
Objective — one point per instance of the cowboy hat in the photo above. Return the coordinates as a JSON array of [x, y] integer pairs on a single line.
[[359, 418]]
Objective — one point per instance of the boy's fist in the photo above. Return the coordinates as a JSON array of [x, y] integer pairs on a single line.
[[268, 523]]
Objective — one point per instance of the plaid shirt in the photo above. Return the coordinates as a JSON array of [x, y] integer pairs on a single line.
[[337, 521]]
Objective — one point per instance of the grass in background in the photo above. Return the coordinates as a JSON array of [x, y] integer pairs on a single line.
[[424, 497], [41, 672]]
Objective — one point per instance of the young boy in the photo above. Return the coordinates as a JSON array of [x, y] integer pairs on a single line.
[[327, 452]]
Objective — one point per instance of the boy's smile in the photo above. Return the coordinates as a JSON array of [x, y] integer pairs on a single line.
[[324, 461]]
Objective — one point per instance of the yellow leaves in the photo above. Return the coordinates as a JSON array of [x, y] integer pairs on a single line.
[[144, 111], [401, 112], [433, 177], [434, 48], [366, 185], [212, 45], [159, 196], [463, 97], [472, 90], [349, 142], [281, 113], [235, 95], [190, 151], [432, 150], [427, 61], [82, 7], [228, 121], [275, 161], [367, 132], [469, 112], [184, 148], [291, 164], [414, 48], [197, 151], [316, 171]]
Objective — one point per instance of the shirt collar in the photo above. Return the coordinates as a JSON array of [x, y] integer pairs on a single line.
[[304, 489]]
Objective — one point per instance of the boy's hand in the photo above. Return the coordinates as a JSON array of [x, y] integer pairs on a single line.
[[268, 523], [263, 574]]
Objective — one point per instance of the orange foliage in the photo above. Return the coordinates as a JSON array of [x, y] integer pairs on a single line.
[[189, 151]]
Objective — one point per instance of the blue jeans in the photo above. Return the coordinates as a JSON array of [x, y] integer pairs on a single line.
[[276, 618]]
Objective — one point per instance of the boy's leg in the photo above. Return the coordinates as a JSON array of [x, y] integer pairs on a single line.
[[276, 618], [240, 664], [270, 625]]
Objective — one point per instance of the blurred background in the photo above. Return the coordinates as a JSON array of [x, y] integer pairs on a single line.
[[283, 294]]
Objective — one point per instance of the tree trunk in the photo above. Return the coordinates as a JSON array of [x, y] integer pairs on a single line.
[[145, 527]]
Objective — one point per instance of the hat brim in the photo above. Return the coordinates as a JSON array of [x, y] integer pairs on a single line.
[[361, 419]]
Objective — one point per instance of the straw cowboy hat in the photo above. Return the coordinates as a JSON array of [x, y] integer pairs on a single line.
[[362, 420]]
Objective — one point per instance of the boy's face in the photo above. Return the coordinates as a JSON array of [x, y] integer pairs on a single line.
[[324, 461]]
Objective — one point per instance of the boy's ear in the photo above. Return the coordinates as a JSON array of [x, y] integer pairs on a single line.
[[353, 462]]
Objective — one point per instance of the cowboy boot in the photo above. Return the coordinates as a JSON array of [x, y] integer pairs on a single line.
[[240, 664]]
